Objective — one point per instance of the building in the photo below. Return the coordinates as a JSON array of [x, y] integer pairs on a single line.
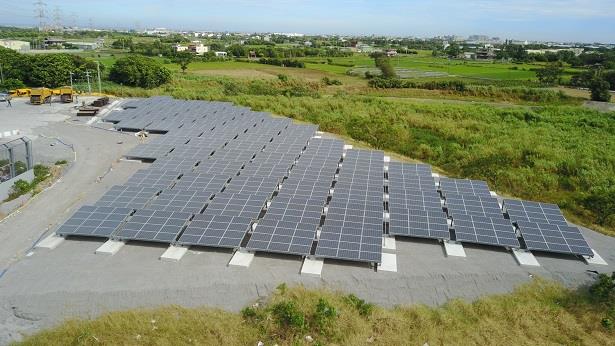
[[391, 52], [221, 54], [485, 53], [179, 48], [198, 48], [469, 55], [84, 45], [53, 41], [576, 51], [20, 46]]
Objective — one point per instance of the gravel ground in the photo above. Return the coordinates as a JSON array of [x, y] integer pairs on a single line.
[[41, 288]]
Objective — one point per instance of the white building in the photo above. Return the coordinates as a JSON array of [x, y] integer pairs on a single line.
[[179, 48], [19, 46], [198, 48], [221, 54]]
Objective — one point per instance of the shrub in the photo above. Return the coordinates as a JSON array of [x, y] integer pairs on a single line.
[[284, 62], [600, 90], [329, 81], [288, 315], [364, 308], [61, 162], [21, 187], [324, 315]]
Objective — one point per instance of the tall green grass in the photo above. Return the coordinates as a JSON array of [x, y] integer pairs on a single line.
[[538, 313]]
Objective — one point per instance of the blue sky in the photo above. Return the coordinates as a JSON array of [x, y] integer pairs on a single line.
[[560, 20]]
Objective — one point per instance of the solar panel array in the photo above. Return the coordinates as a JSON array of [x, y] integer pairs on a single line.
[[414, 205], [353, 225], [225, 176], [477, 216], [544, 228]]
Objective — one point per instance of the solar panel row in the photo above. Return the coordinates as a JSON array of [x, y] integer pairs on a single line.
[[414, 205], [353, 225]]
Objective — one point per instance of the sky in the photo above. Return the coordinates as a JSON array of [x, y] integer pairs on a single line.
[[546, 20]]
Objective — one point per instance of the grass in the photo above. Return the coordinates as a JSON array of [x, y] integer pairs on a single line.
[[538, 313]]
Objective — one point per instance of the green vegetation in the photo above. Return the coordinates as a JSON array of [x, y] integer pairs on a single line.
[[22, 187], [139, 71], [49, 70], [600, 90], [536, 313]]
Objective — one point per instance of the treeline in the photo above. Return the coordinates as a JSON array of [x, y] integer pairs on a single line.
[[483, 91], [398, 83], [45, 70], [284, 62]]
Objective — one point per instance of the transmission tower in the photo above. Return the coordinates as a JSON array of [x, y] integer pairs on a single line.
[[57, 18], [41, 13]]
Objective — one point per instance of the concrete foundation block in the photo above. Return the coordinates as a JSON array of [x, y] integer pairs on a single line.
[[312, 267], [454, 249], [110, 247], [389, 263], [241, 259], [51, 242], [174, 253], [597, 259], [525, 258]]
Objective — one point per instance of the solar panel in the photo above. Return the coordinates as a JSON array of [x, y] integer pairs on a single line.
[[401, 198], [430, 224], [519, 210], [149, 151], [188, 201], [464, 187], [154, 225], [216, 231], [248, 205], [477, 205], [398, 169], [174, 164], [94, 221], [126, 196], [554, 238], [485, 230], [153, 178], [201, 182]]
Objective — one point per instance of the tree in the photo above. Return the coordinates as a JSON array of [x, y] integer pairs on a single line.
[[51, 70], [550, 74], [139, 71], [609, 76], [184, 59], [383, 62], [453, 50], [600, 90]]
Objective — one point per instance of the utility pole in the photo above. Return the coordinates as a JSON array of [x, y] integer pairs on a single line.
[[87, 75], [72, 89], [99, 84]]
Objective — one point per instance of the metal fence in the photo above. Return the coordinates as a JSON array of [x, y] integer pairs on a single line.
[[15, 158]]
